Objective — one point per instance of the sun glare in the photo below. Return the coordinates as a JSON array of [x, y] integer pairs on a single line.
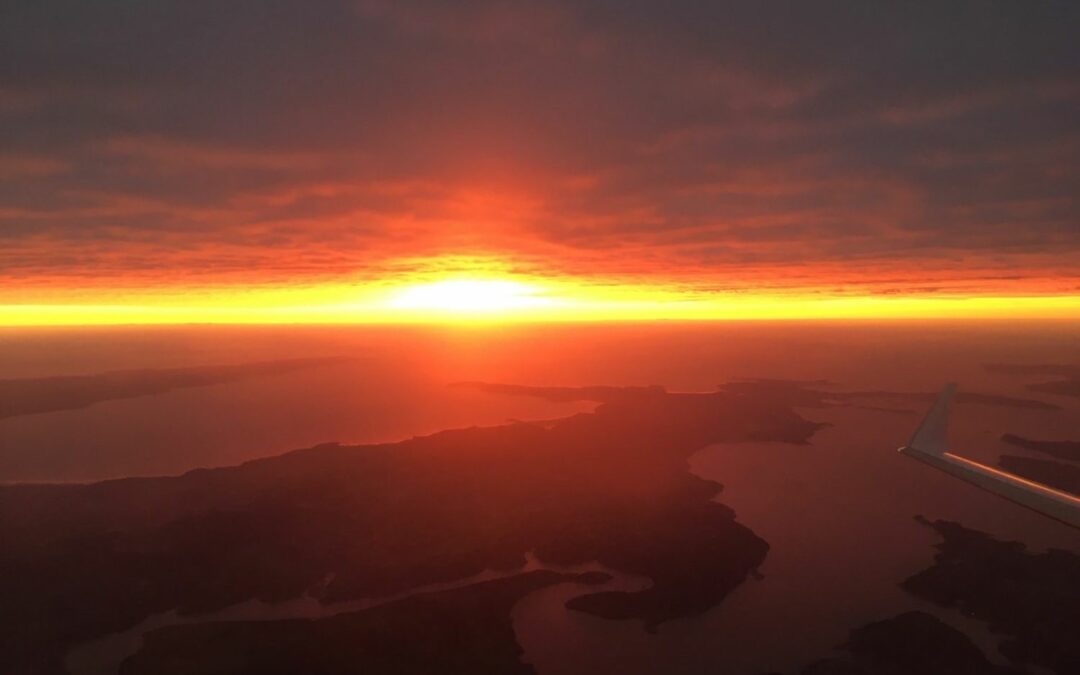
[[469, 296], [482, 292]]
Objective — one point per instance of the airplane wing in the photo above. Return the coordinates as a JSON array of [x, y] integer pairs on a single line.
[[930, 446]]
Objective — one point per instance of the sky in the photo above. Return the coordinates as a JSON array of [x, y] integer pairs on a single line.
[[381, 160]]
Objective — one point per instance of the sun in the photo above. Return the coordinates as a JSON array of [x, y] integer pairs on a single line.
[[469, 297]]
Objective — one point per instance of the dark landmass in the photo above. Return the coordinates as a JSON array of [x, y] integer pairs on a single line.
[[794, 393], [1059, 387], [779, 380], [1067, 385], [30, 396], [566, 394], [465, 630], [913, 643], [1062, 369], [613, 485], [1046, 471], [1069, 450], [962, 398], [1032, 598]]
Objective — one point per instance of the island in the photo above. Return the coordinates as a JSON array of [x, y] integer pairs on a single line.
[[1031, 599]]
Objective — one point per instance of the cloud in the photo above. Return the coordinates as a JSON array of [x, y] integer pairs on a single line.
[[719, 145]]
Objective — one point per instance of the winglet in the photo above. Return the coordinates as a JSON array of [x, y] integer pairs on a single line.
[[930, 436]]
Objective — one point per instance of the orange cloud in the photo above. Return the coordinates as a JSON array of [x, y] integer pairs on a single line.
[[694, 149]]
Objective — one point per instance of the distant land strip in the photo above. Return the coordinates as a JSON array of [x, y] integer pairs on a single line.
[[33, 396], [1067, 385], [1069, 450], [962, 397], [791, 392], [598, 393]]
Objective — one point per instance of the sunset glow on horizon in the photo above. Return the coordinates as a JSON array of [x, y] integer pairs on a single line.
[[565, 161], [494, 295]]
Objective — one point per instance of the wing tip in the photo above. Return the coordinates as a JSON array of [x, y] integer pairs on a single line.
[[930, 437]]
